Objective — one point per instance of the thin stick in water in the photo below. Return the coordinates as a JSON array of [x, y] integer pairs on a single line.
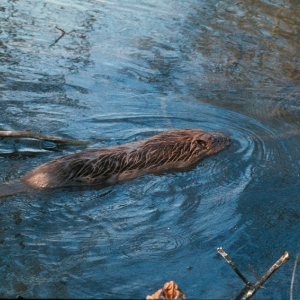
[[38, 136], [293, 278], [258, 283], [236, 270]]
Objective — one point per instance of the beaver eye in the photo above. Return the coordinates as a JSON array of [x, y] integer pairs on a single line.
[[202, 144]]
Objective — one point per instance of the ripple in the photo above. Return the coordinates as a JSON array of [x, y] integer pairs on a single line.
[[160, 243]]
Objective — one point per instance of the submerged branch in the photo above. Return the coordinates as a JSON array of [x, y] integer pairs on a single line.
[[293, 278], [63, 33], [38, 136]]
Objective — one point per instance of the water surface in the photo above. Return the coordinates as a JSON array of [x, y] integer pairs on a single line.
[[114, 71]]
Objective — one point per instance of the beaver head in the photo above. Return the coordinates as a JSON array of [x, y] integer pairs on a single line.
[[187, 146], [212, 142]]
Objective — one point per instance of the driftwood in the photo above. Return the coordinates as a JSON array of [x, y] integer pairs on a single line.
[[38, 136], [250, 289]]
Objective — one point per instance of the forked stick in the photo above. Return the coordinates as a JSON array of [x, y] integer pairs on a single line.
[[34, 135], [258, 283], [250, 288]]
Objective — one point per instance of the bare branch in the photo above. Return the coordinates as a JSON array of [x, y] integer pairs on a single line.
[[230, 262], [258, 283], [250, 288], [34, 135]]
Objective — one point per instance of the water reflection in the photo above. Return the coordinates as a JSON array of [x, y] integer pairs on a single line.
[[253, 50], [111, 72]]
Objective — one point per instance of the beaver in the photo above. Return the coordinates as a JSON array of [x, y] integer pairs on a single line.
[[172, 150]]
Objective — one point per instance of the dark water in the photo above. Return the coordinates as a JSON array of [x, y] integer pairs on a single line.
[[112, 71]]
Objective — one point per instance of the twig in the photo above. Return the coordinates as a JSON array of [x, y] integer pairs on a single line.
[[255, 275], [250, 288], [34, 135], [230, 262], [258, 283], [63, 33], [253, 272], [293, 278]]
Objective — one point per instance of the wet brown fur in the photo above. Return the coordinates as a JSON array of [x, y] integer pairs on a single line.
[[169, 150]]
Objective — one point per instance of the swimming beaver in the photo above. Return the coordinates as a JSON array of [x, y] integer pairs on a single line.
[[165, 151]]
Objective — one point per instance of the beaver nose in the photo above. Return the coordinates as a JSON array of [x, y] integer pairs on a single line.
[[220, 138]]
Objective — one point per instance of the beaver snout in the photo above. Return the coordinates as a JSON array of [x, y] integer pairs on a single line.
[[218, 143], [221, 139]]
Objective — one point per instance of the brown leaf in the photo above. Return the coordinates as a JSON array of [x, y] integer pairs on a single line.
[[170, 291]]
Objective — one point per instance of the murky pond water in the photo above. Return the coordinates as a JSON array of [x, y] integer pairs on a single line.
[[113, 71]]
